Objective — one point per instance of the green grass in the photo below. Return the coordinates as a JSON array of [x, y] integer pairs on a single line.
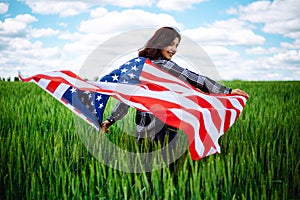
[[43, 156]]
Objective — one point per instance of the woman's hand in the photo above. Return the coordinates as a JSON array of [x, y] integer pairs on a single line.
[[240, 92], [105, 125]]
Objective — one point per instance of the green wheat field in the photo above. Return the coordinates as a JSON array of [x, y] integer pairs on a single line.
[[43, 157]]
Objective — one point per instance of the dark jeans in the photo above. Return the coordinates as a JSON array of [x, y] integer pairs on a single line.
[[166, 139]]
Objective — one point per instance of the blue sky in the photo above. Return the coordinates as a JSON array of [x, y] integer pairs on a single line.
[[247, 40]]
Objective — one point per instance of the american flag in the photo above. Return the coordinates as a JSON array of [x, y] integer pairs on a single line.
[[142, 85]]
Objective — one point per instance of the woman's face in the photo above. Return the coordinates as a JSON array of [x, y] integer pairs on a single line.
[[170, 50]]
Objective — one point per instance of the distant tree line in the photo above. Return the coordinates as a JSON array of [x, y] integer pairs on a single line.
[[9, 79]]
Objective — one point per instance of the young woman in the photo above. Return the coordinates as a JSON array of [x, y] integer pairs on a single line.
[[160, 49]]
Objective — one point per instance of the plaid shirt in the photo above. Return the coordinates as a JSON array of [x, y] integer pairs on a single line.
[[203, 83], [147, 122]]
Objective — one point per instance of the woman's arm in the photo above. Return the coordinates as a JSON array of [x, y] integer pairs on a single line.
[[239, 92], [118, 113], [203, 83]]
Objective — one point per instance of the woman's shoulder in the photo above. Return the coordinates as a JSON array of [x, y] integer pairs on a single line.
[[168, 65], [163, 61]]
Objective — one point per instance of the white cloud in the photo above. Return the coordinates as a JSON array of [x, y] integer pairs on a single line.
[[259, 63], [43, 32], [70, 8], [279, 16], [3, 8], [273, 66], [226, 32], [83, 44], [98, 12], [224, 59], [115, 22], [70, 36], [288, 58], [221, 52], [29, 57], [19, 52], [258, 50], [17, 26], [128, 3], [62, 8], [177, 5], [280, 66], [294, 45], [21, 44]]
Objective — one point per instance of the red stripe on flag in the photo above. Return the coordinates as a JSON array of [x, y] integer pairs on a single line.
[[153, 87], [241, 101], [158, 79], [161, 77], [173, 120], [227, 104], [71, 74], [64, 101], [52, 86], [227, 120], [150, 101], [51, 78], [36, 79]]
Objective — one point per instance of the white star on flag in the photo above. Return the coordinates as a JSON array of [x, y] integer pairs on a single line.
[[131, 75], [99, 97], [115, 77], [124, 70], [134, 68]]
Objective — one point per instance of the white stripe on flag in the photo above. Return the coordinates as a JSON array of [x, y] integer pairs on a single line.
[[235, 103], [60, 90], [194, 122], [174, 83], [43, 83]]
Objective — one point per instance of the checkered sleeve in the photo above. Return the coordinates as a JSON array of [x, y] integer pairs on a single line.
[[118, 113], [203, 83]]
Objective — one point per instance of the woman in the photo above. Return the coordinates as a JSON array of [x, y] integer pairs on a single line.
[[160, 49]]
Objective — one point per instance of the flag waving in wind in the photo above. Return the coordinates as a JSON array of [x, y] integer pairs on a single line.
[[142, 85]]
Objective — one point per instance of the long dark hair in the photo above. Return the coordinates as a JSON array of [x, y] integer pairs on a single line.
[[162, 37]]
